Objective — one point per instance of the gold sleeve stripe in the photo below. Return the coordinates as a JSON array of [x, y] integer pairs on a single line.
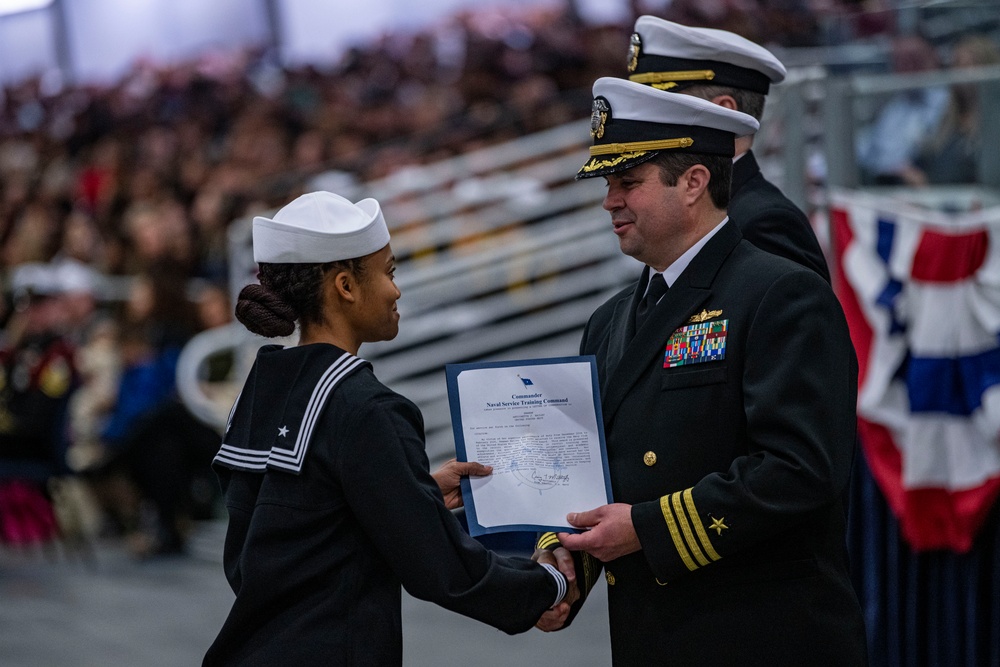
[[675, 534], [547, 540], [699, 527], [682, 520]]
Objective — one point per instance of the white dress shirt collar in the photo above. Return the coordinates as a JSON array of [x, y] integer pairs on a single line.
[[671, 273]]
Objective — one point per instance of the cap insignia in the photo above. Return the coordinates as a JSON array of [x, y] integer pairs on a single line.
[[634, 48], [598, 117]]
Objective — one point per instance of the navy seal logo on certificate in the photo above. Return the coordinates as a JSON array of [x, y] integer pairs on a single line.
[[538, 423]]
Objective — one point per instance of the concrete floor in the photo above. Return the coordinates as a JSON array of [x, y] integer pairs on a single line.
[[58, 610]]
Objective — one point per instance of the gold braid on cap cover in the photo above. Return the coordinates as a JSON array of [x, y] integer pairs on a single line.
[[641, 146], [664, 77]]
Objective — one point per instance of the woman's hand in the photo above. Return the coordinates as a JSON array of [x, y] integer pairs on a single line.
[[449, 475]]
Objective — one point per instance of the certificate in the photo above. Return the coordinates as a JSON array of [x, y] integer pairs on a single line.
[[538, 423]]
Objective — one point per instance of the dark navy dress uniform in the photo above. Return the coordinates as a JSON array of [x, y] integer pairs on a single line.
[[769, 219], [730, 420], [674, 57], [729, 413], [332, 509]]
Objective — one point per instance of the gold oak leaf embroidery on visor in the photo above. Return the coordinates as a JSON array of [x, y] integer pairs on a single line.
[[595, 164]]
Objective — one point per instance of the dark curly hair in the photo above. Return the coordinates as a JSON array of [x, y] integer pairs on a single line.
[[288, 293]]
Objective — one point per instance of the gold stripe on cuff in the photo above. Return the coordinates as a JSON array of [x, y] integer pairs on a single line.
[[675, 534], [686, 530], [547, 540], [699, 527]]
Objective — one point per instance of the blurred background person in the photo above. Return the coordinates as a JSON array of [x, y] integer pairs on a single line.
[[153, 447], [950, 152], [888, 146], [37, 378]]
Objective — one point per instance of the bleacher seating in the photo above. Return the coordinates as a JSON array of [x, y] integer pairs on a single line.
[[501, 255]]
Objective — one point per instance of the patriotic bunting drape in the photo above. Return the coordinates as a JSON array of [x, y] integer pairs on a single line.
[[921, 291]]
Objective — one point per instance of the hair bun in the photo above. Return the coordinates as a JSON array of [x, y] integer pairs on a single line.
[[264, 313]]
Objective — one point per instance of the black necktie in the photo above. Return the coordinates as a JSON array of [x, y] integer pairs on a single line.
[[657, 288]]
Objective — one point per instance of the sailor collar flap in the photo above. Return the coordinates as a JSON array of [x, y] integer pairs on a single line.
[[283, 447]]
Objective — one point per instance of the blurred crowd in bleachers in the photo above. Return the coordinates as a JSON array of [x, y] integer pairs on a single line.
[[141, 179], [927, 135]]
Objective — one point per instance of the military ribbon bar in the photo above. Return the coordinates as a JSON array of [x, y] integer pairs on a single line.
[[696, 343]]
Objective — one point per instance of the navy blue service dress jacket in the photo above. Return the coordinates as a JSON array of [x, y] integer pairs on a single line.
[[331, 509], [769, 219], [730, 423]]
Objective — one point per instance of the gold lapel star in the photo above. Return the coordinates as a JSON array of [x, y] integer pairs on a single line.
[[717, 525]]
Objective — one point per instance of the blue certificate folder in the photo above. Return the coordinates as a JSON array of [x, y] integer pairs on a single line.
[[523, 383]]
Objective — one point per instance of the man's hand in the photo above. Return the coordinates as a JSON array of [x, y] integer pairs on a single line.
[[561, 558], [555, 618], [449, 475], [611, 533]]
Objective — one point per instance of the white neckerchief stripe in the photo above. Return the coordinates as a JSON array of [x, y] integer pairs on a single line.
[[315, 401], [245, 454], [225, 457], [290, 459], [243, 458], [251, 453], [326, 382], [294, 457]]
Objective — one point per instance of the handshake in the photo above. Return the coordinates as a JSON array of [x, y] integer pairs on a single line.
[[555, 618], [608, 534], [448, 477]]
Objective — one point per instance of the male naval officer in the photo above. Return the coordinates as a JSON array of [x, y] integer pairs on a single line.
[[728, 387], [735, 73]]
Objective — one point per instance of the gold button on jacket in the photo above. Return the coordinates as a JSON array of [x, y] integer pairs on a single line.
[[649, 458]]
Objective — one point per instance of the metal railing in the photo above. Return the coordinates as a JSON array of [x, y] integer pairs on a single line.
[[812, 106], [501, 255]]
